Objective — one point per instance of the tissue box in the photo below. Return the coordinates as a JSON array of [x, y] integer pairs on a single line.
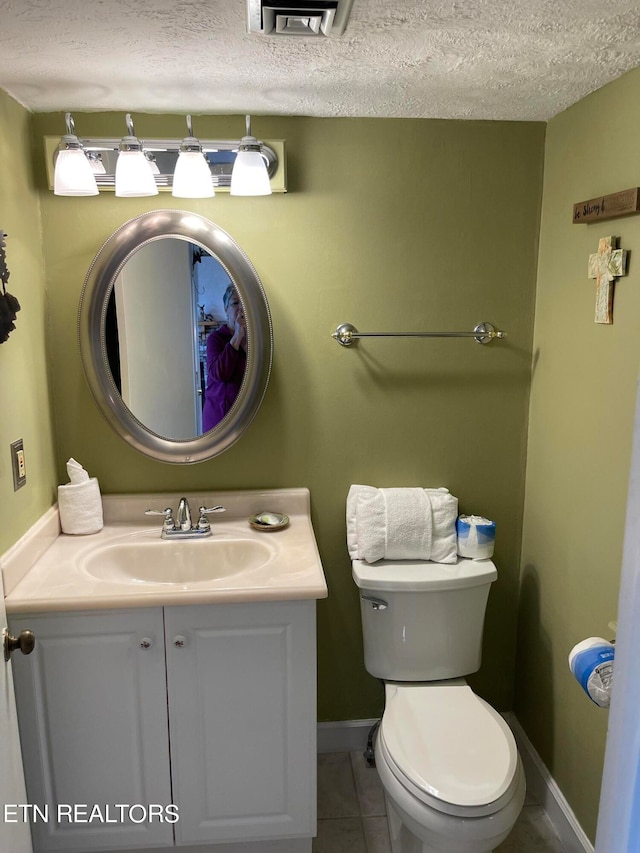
[[80, 507]]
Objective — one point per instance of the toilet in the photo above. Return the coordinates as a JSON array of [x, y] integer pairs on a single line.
[[448, 762]]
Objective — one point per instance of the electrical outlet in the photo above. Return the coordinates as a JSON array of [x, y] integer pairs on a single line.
[[17, 464]]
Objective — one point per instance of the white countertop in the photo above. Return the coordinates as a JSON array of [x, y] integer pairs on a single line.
[[58, 580]]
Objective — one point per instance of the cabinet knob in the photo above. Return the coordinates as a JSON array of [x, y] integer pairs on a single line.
[[146, 643], [25, 641], [179, 642]]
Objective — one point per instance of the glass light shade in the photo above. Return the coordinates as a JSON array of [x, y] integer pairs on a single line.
[[249, 175], [192, 176], [133, 175], [73, 174]]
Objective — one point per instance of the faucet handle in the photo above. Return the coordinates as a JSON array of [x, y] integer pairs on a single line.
[[203, 521], [169, 523]]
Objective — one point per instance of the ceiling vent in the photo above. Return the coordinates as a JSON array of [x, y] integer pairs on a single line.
[[301, 18]]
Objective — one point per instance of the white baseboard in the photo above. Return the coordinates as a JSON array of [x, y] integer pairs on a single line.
[[351, 735], [344, 735], [544, 788]]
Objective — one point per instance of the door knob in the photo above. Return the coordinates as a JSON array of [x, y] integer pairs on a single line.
[[25, 641]]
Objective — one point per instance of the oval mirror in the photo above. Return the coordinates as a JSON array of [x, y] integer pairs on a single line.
[[175, 336]]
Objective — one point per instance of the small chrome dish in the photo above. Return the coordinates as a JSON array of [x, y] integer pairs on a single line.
[[267, 521]]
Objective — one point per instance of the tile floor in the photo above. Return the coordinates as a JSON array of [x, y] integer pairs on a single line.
[[351, 813]]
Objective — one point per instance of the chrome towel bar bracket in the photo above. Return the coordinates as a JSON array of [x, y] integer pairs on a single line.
[[484, 333]]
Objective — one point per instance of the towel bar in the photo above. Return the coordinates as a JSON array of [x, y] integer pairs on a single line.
[[484, 333]]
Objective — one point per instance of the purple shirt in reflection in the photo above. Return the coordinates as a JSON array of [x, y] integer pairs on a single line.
[[225, 370]]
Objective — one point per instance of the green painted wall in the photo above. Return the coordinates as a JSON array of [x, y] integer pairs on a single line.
[[581, 419], [409, 225], [25, 408], [389, 224]]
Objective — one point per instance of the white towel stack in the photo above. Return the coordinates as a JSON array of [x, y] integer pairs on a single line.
[[401, 524], [79, 502]]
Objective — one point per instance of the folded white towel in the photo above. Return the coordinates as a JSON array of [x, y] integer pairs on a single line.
[[409, 524], [401, 524], [79, 502]]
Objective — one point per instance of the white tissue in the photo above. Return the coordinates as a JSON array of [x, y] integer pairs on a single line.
[[79, 502], [76, 472]]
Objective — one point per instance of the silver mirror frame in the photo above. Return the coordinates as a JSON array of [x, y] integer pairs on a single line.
[[99, 282]]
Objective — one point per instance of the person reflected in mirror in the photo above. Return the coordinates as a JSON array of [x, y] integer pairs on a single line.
[[226, 361]]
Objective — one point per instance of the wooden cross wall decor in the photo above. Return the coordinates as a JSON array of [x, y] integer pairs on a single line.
[[607, 264]]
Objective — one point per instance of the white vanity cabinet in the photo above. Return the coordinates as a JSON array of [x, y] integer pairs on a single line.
[[209, 707]]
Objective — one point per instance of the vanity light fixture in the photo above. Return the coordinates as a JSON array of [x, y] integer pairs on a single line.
[[250, 176], [73, 174], [159, 155], [192, 175], [134, 176]]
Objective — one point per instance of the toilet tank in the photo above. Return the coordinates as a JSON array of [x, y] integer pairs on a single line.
[[423, 621]]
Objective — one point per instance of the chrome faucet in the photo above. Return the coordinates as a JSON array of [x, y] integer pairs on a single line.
[[183, 520], [182, 527]]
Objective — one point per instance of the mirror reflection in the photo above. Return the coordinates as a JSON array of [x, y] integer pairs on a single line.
[[226, 361], [176, 338]]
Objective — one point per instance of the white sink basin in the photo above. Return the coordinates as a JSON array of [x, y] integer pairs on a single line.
[[191, 561], [127, 564]]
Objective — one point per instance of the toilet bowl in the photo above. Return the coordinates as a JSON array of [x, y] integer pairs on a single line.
[[450, 770]]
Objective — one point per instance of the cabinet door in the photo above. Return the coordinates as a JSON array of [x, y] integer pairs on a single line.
[[242, 715], [93, 726]]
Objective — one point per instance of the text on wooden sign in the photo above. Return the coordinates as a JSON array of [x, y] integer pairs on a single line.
[[623, 203]]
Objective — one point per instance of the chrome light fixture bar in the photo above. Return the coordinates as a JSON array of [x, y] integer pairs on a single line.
[[95, 161]]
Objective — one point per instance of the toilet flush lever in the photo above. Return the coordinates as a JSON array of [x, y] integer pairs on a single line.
[[376, 603]]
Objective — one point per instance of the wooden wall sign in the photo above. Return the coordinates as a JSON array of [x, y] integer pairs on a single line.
[[623, 203]]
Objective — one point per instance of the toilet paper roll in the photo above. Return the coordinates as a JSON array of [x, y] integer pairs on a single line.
[[80, 507], [591, 661], [476, 536]]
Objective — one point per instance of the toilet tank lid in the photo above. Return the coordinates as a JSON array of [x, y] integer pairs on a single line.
[[422, 575]]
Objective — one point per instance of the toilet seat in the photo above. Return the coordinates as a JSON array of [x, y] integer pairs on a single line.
[[448, 747]]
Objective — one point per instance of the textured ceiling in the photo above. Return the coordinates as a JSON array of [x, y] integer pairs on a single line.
[[467, 59]]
